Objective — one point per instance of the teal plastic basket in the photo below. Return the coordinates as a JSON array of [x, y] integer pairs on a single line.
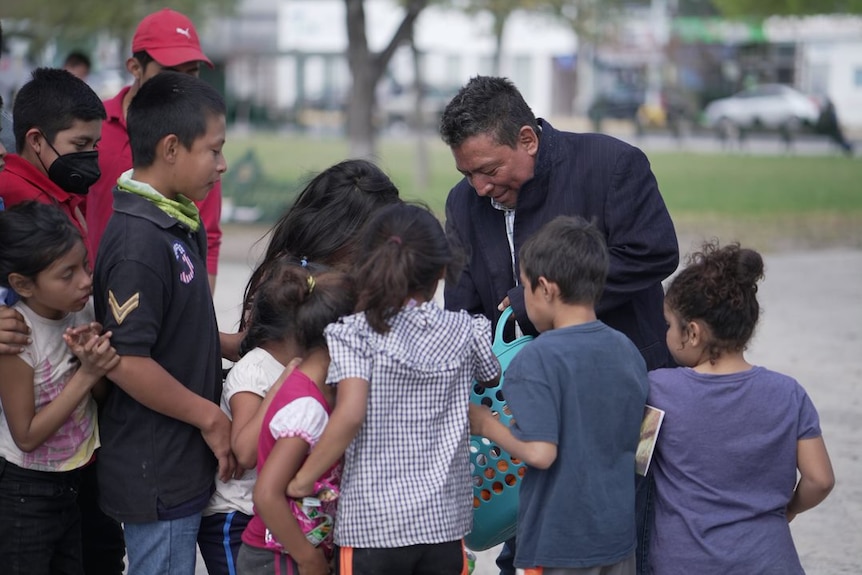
[[496, 476]]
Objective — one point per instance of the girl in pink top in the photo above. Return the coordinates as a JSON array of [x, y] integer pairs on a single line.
[[289, 536]]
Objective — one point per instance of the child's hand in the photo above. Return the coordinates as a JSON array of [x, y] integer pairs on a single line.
[[480, 416], [81, 334], [217, 437], [93, 350], [296, 489], [14, 333], [314, 564]]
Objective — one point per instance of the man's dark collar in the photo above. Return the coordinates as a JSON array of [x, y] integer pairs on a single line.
[[546, 140]]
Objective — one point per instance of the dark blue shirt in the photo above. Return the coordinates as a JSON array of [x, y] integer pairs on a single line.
[[151, 290], [582, 388]]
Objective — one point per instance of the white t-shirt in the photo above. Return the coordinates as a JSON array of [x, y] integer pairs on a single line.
[[54, 364], [255, 372]]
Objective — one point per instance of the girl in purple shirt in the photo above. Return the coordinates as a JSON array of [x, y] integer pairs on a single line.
[[734, 434]]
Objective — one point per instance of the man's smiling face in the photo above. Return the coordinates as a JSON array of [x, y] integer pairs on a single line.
[[496, 170]]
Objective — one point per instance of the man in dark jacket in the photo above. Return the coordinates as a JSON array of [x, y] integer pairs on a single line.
[[520, 173]]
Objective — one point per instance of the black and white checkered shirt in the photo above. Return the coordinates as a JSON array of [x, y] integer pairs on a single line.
[[407, 474]]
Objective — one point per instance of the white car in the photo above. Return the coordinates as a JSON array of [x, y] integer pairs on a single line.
[[769, 106]]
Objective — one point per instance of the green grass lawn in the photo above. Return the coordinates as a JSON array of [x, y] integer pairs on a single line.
[[812, 199]]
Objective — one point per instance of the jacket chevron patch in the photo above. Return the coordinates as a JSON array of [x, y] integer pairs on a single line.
[[121, 312]]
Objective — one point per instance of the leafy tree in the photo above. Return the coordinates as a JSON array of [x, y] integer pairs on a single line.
[[500, 10], [50, 19], [763, 8], [695, 8]]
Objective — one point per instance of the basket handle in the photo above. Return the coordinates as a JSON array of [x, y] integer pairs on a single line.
[[500, 343]]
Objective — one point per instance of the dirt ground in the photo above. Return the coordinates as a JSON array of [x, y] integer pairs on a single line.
[[811, 328]]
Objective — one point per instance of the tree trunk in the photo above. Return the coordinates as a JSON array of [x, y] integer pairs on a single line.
[[418, 121], [499, 26], [366, 70], [360, 115], [360, 105]]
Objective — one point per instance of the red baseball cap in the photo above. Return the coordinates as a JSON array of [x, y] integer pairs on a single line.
[[170, 38]]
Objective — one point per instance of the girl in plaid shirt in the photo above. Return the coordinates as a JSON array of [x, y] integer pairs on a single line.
[[404, 369], [319, 229]]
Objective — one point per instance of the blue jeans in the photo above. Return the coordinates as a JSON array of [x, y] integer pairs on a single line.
[[506, 558], [163, 547], [644, 516], [40, 530]]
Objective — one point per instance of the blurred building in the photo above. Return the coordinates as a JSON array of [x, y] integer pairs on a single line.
[[828, 58], [286, 58], [283, 61], [820, 55]]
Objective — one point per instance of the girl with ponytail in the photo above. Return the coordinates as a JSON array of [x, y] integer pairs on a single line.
[[278, 406], [404, 369]]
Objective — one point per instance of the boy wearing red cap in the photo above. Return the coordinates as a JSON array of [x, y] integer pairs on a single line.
[[164, 40]]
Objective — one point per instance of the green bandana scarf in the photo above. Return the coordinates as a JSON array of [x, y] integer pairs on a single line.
[[181, 209]]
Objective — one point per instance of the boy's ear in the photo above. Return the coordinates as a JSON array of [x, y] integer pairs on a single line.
[[33, 139], [134, 67], [548, 289], [168, 148], [22, 285]]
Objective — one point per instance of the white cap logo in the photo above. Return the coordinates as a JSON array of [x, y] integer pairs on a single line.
[[184, 32]]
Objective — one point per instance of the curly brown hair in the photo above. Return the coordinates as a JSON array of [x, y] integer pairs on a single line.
[[719, 287]]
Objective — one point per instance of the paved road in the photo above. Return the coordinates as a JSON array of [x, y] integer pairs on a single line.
[[756, 144], [811, 328], [706, 141]]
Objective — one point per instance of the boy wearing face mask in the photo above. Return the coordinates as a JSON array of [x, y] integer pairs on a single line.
[[57, 123]]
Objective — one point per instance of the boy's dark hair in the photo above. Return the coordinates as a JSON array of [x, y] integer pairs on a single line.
[[403, 250], [143, 57], [33, 235], [77, 58], [170, 103], [571, 253], [322, 224], [486, 105], [51, 101], [295, 301], [719, 287]]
